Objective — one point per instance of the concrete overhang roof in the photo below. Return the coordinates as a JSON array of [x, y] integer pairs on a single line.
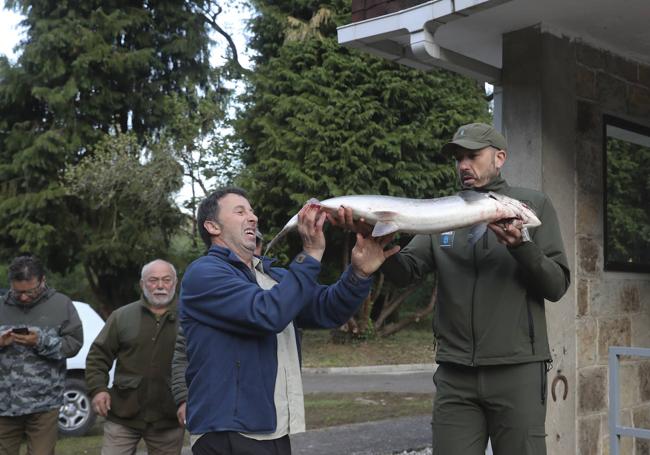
[[465, 35]]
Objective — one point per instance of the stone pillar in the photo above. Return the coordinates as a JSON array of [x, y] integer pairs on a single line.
[[539, 122]]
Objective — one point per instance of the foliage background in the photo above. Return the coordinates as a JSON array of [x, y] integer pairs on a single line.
[[109, 105], [628, 210], [320, 120]]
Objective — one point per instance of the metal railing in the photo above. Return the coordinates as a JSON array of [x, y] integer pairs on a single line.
[[615, 428]]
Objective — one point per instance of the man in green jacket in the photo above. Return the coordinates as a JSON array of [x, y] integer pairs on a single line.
[[489, 321], [140, 336]]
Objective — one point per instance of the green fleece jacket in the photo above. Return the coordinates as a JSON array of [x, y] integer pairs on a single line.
[[490, 298], [142, 344]]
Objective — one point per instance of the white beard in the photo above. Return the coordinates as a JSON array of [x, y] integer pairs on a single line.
[[157, 301]]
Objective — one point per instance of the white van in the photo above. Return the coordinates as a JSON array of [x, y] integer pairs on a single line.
[[76, 415]]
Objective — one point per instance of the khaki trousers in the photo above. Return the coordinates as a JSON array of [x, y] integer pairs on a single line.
[[40, 429], [122, 440]]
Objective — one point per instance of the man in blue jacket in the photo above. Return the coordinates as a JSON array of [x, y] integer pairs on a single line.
[[244, 386]]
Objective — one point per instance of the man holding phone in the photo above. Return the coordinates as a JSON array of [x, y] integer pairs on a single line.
[[39, 329]]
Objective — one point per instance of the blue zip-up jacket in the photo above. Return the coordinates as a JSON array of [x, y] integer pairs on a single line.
[[231, 325]]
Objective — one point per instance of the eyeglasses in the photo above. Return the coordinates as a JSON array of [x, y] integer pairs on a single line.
[[32, 292]]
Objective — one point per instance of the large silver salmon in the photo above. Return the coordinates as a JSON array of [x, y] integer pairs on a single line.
[[391, 214]]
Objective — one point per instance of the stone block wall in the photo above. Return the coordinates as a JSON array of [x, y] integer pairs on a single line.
[[367, 9], [612, 308]]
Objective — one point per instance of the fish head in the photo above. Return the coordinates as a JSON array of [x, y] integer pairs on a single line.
[[520, 209]]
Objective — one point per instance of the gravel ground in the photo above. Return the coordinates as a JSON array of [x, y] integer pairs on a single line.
[[426, 451]]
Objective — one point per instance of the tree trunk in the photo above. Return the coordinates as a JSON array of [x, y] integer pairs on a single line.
[[396, 327], [392, 304]]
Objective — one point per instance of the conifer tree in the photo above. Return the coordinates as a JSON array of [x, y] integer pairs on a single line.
[[320, 120], [91, 69]]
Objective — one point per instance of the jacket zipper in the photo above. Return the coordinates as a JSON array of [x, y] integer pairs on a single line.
[[531, 326], [471, 315], [238, 366]]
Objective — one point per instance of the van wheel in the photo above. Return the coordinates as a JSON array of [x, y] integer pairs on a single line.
[[76, 415]]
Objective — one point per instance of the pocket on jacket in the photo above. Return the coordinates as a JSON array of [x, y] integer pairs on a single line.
[[124, 395]]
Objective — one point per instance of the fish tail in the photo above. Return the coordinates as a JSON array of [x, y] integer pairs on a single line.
[[291, 225]]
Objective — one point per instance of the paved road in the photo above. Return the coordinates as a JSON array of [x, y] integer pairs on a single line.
[[410, 379], [386, 437], [371, 438]]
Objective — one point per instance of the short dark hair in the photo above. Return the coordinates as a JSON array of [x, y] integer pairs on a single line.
[[209, 210], [25, 267]]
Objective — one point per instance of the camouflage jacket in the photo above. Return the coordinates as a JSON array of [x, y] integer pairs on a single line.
[[32, 378]]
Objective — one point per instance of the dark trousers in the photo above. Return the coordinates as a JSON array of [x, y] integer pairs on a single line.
[[232, 443], [506, 403]]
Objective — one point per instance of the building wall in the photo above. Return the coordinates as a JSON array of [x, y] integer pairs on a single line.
[[613, 308], [539, 124], [555, 93], [367, 9]]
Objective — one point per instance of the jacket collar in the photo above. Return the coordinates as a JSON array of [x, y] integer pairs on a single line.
[[171, 308], [230, 257], [45, 296], [498, 184]]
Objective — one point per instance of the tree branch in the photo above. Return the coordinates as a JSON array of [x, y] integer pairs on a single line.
[[96, 290], [396, 327], [390, 307], [210, 17], [198, 181]]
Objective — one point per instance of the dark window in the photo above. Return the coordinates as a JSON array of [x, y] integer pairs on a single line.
[[627, 191]]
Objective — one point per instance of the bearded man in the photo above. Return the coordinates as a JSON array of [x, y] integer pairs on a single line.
[[492, 345], [140, 337]]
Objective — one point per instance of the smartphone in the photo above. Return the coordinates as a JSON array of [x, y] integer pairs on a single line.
[[20, 330]]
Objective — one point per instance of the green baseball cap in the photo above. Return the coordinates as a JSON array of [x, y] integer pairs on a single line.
[[476, 136]]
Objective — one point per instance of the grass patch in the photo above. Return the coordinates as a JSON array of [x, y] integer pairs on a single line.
[[331, 409], [407, 346], [90, 444]]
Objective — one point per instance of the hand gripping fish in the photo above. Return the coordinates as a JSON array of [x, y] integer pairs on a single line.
[[391, 214]]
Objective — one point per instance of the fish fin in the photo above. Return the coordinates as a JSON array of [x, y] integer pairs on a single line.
[[384, 228], [476, 232], [385, 223]]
